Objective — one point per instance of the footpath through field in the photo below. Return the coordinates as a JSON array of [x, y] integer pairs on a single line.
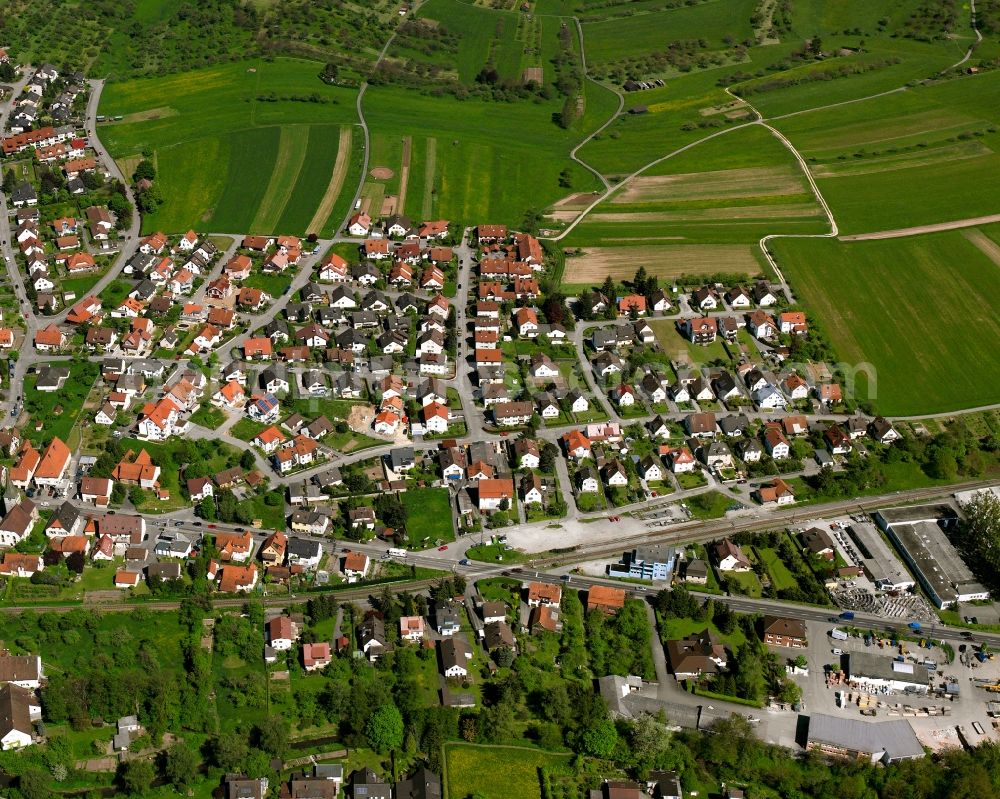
[[937, 227]]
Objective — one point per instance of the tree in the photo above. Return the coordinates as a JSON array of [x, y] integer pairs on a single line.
[[179, 766], [136, 496], [136, 777], [229, 751], [547, 457], [554, 307], [639, 281], [120, 206], [75, 562], [608, 289], [247, 460], [980, 532], [149, 199], [504, 657], [144, 170], [271, 735], [9, 181], [329, 73], [34, 784], [206, 508], [601, 739], [385, 728]]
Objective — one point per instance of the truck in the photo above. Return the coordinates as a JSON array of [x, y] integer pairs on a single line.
[[847, 615], [838, 635], [394, 552]]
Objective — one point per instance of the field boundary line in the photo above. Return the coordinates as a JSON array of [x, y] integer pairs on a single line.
[[430, 169], [631, 176], [404, 174], [917, 230], [285, 171], [340, 166]]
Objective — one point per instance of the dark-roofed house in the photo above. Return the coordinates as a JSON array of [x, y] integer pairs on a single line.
[[731, 557], [818, 542], [366, 784], [19, 710], [854, 739], [422, 784], [698, 654], [781, 631]]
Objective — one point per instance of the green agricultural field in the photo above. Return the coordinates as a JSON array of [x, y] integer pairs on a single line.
[[247, 146], [923, 311], [732, 189], [428, 515], [465, 765], [621, 38], [482, 171], [873, 158]]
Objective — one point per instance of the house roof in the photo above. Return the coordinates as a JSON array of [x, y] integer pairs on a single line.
[[54, 461], [604, 596], [783, 626]]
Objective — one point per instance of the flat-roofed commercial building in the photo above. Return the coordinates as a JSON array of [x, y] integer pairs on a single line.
[[878, 560], [918, 533], [883, 673]]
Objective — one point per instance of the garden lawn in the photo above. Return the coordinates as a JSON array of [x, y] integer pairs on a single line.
[[923, 311], [58, 410], [781, 577], [515, 771], [672, 629], [710, 505], [428, 515]]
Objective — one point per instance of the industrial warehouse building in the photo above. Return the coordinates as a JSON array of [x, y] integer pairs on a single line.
[[878, 560], [877, 742], [918, 534], [878, 673]]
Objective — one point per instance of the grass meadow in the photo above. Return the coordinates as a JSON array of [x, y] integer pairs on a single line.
[[428, 515], [467, 764], [935, 143], [922, 310], [239, 147], [616, 38]]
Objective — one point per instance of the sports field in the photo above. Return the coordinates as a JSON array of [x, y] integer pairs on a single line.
[[247, 146], [923, 311]]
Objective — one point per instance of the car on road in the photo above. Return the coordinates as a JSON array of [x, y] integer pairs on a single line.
[[212, 526], [196, 524], [463, 562], [178, 524], [442, 548], [837, 651]]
